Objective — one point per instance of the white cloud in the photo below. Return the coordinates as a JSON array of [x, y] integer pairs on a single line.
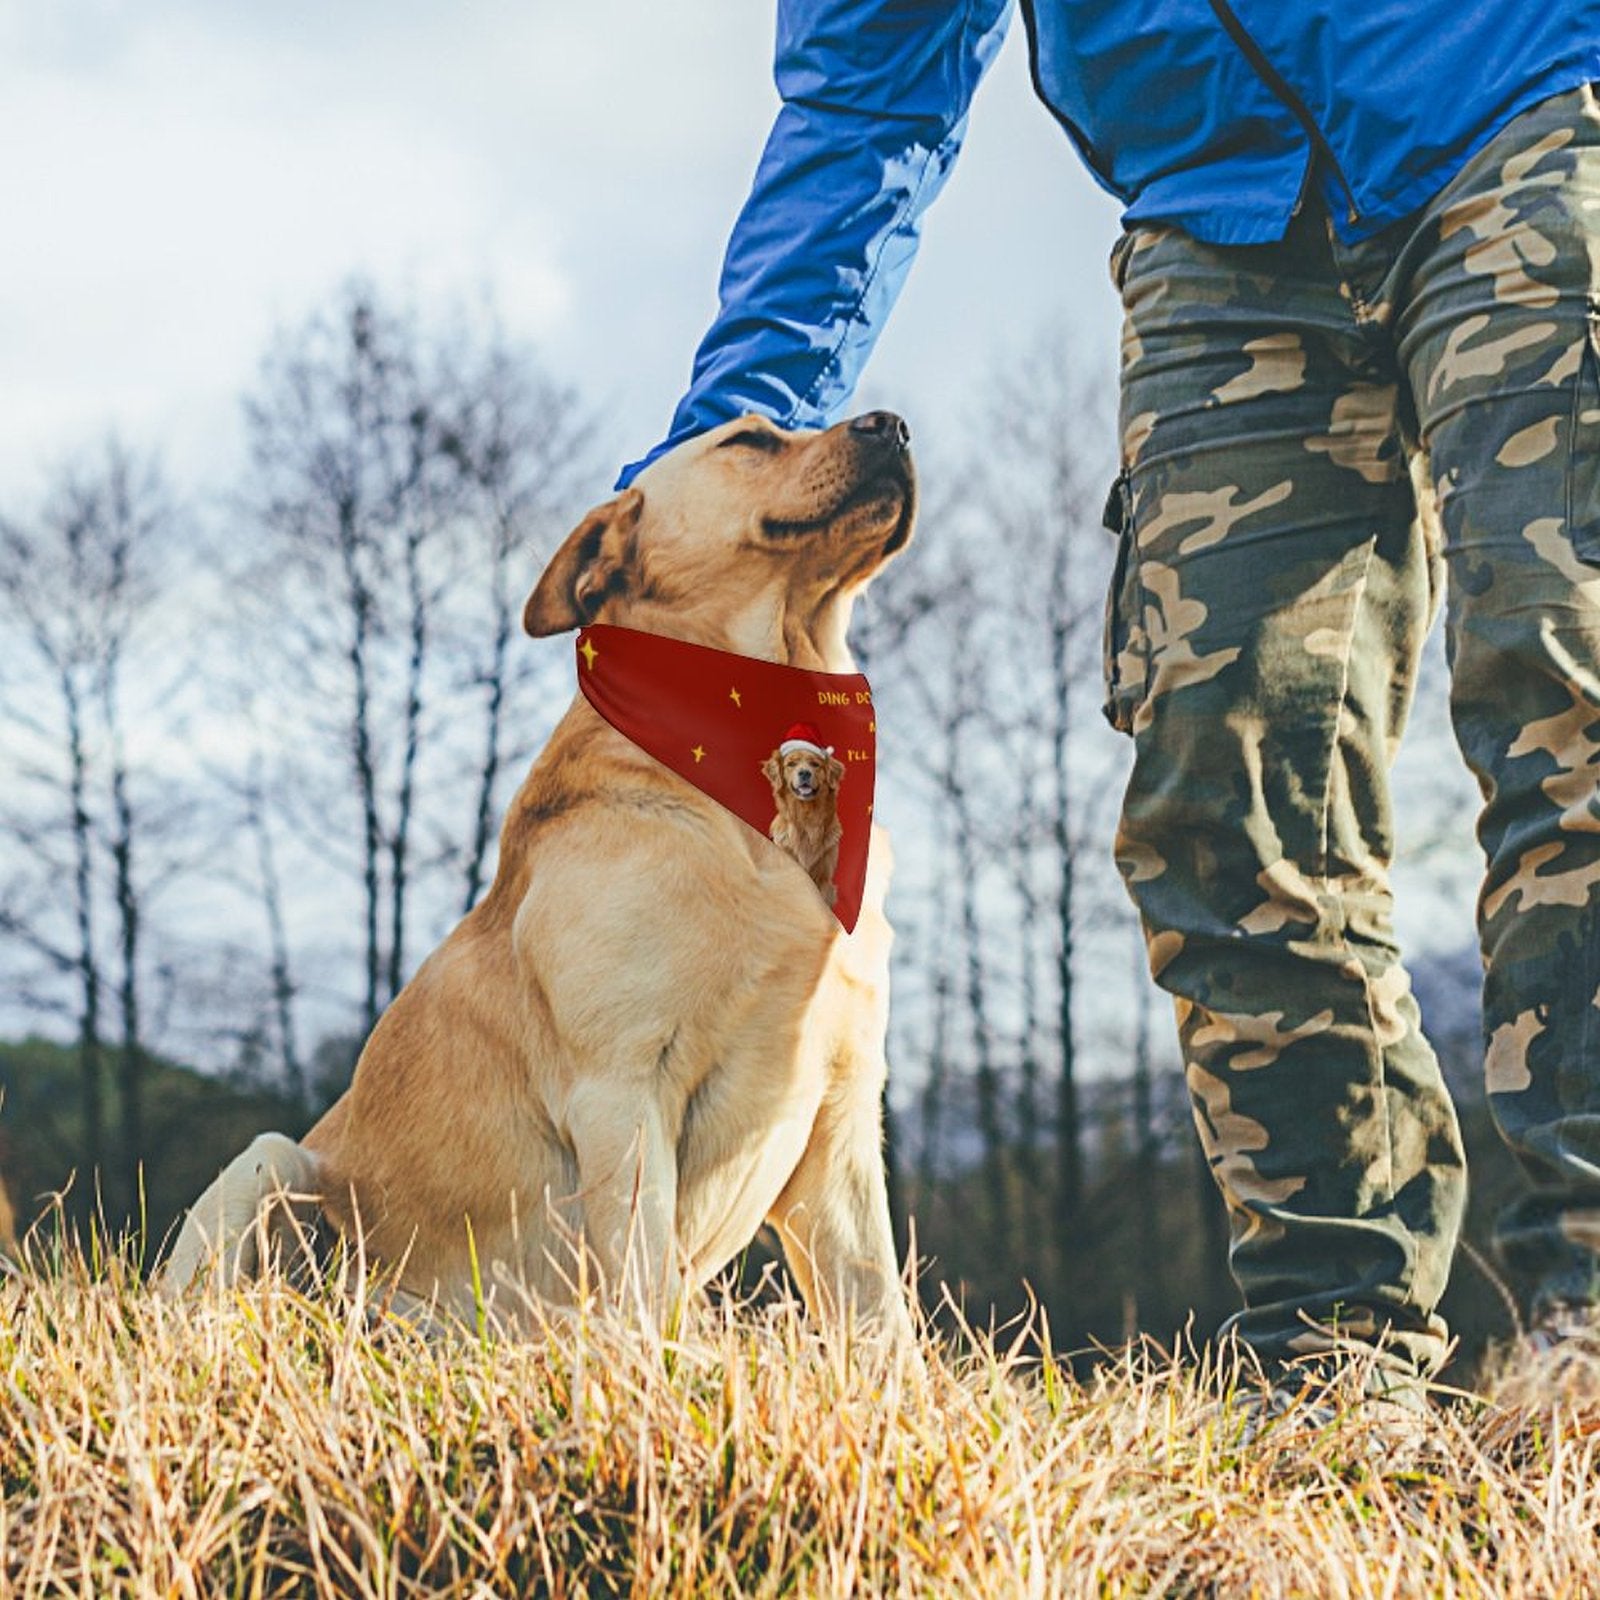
[[185, 176]]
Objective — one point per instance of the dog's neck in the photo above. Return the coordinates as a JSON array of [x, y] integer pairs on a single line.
[[815, 639], [819, 638], [811, 825]]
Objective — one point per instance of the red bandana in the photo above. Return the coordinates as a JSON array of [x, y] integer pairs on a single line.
[[716, 718]]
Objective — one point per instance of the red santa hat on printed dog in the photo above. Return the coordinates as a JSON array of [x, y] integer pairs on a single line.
[[804, 736]]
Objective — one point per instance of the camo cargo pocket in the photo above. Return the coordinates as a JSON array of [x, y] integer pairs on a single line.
[[1124, 651], [1583, 455]]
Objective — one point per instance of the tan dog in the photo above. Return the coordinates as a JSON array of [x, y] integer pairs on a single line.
[[651, 1034], [805, 789]]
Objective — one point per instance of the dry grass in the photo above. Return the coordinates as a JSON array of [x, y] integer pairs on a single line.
[[272, 1443]]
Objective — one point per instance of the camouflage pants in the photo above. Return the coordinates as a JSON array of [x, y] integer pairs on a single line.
[[1274, 590]]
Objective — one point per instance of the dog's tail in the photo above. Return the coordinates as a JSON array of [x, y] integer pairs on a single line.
[[263, 1201]]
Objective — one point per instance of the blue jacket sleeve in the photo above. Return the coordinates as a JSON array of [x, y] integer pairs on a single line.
[[875, 98]]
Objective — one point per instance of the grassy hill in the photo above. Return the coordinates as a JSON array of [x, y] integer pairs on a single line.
[[270, 1444], [274, 1443]]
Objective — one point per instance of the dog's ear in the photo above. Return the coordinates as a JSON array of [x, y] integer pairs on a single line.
[[835, 771], [590, 567], [771, 770]]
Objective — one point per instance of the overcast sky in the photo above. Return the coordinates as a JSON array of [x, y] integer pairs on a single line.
[[181, 176]]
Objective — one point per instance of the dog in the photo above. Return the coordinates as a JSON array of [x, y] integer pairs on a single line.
[[805, 779], [651, 1035]]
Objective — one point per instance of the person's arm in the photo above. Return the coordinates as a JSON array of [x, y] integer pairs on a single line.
[[875, 97]]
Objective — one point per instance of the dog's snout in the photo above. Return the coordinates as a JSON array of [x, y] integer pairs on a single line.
[[883, 426]]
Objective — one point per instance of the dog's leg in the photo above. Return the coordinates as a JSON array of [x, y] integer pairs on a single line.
[[223, 1224], [833, 1216], [628, 1169], [828, 862]]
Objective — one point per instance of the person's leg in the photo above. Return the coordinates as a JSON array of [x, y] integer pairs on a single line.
[[1500, 335], [1264, 646]]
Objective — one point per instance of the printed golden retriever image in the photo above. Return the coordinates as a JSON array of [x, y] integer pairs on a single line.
[[805, 779]]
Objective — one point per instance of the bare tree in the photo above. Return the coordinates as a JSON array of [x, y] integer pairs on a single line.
[[352, 495], [950, 697], [968, 865], [281, 958], [81, 579], [1146, 1147], [1023, 861], [1041, 490], [131, 509], [405, 476], [936, 1067], [523, 445], [1001, 662]]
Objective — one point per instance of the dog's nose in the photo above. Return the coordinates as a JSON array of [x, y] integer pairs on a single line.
[[883, 425]]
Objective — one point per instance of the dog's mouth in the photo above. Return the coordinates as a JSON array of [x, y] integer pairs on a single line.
[[853, 502], [883, 498], [901, 534], [803, 786]]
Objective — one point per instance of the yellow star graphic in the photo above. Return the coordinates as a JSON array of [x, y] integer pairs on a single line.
[[588, 652], [733, 695], [699, 752]]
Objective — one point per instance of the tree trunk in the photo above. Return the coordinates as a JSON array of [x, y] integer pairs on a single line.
[[934, 1085], [362, 755], [1148, 1221], [281, 971], [130, 1081], [1069, 1137], [400, 842], [991, 1123], [494, 710], [93, 1147], [1027, 1138]]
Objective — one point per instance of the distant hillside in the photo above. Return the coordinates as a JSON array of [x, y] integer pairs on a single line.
[[192, 1125]]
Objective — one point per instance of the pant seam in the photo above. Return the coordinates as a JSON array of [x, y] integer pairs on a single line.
[[1325, 808], [1407, 1278]]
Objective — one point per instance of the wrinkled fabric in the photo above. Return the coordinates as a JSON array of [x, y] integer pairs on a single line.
[[1274, 589]]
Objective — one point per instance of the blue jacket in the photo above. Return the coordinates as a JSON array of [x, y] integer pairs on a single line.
[[1215, 115]]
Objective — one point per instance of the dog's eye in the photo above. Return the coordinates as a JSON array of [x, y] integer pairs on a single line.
[[752, 438]]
